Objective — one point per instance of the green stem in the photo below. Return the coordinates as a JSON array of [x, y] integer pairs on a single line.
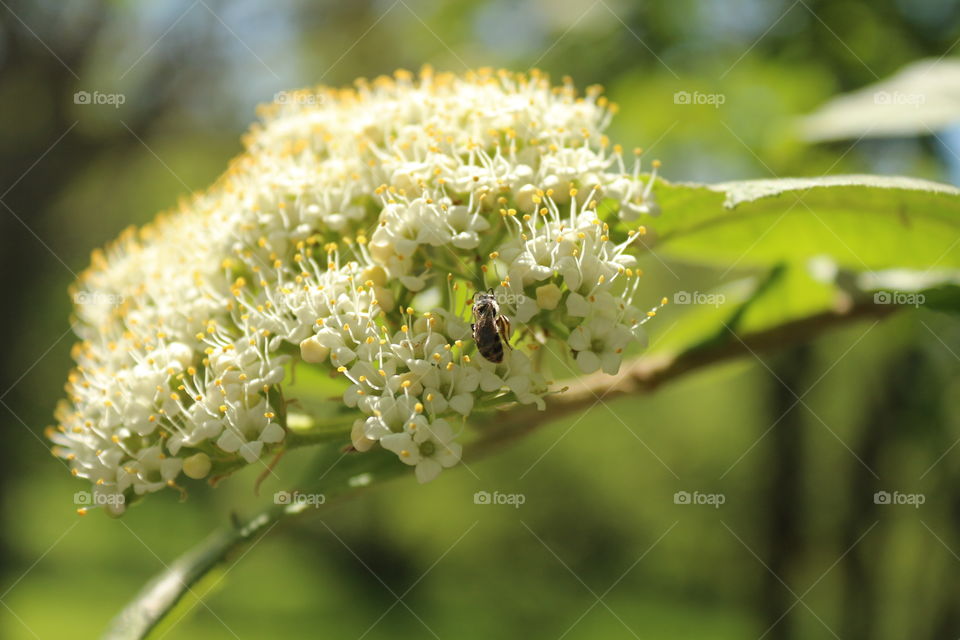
[[159, 596], [332, 475]]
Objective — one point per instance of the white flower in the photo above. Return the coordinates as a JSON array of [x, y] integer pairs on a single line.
[[246, 430], [599, 344], [349, 237], [526, 309], [527, 385], [429, 447]]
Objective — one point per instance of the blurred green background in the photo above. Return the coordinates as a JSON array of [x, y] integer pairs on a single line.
[[799, 549]]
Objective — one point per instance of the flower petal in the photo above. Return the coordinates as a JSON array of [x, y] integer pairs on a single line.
[[427, 470]]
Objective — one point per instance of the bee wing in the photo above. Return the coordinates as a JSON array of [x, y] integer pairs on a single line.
[[503, 328]]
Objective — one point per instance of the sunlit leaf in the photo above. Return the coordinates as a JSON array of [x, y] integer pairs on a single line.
[[860, 222], [919, 100]]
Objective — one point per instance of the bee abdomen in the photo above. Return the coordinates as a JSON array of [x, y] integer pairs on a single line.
[[493, 352]]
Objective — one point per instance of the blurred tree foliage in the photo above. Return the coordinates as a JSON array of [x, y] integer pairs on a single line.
[[799, 550]]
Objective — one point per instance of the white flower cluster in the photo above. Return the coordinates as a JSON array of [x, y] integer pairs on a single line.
[[350, 235]]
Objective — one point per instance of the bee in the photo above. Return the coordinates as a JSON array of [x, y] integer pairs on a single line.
[[490, 330]]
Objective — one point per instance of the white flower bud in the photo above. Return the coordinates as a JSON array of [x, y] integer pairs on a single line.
[[312, 351], [548, 296], [197, 466]]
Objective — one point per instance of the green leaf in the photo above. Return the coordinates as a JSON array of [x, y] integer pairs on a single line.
[[945, 298], [789, 293], [918, 100], [784, 294], [936, 290], [860, 222]]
